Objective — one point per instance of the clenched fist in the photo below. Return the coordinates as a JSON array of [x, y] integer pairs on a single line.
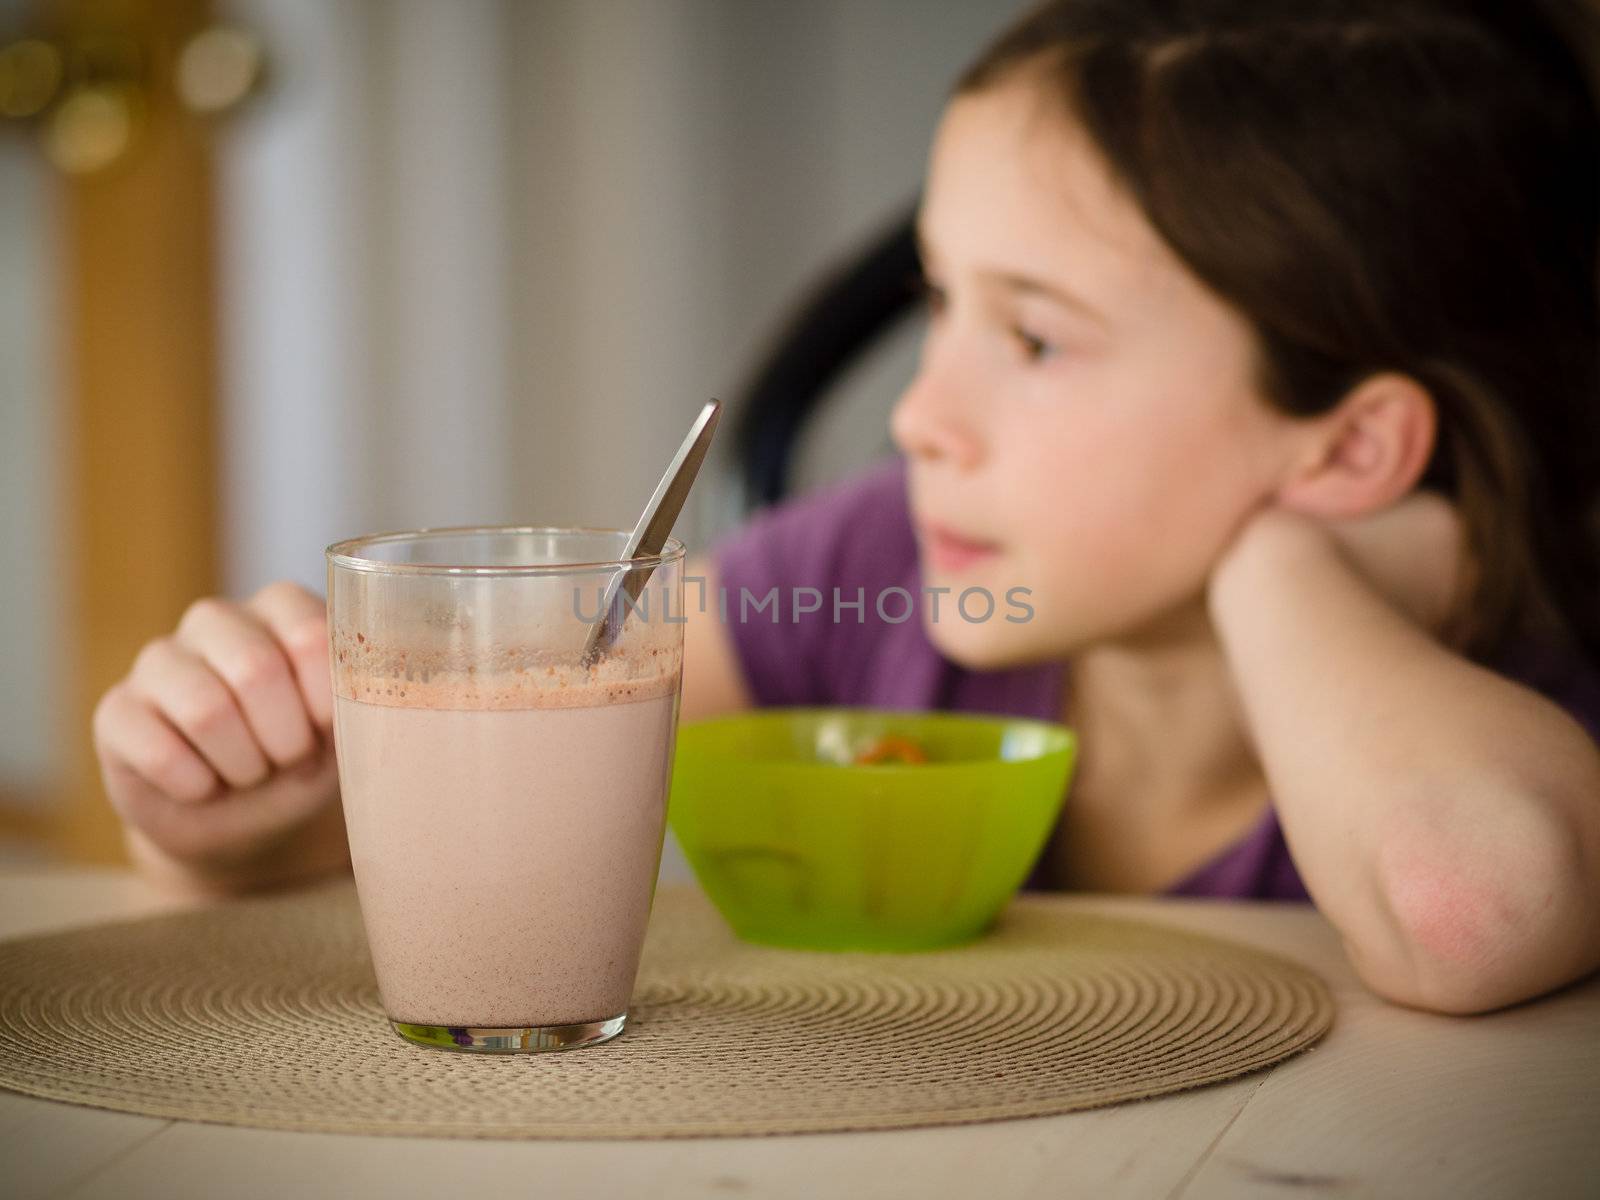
[[217, 749]]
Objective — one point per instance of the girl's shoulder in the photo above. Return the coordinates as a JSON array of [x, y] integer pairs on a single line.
[[805, 587], [849, 533]]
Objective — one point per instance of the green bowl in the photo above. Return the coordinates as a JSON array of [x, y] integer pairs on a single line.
[[799, 846]]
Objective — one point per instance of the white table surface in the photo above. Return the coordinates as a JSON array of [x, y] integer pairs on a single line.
[[1391, 1103]]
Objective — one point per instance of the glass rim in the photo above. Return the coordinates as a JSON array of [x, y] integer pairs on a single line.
[[346, 554]]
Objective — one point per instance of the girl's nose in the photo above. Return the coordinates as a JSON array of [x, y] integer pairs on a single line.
[[931, 423]]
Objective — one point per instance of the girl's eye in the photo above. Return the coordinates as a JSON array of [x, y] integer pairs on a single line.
[[1034, 349]]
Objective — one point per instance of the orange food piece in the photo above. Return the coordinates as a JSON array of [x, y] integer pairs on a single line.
[[891, 748]]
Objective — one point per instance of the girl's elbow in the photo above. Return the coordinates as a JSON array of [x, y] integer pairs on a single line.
[[1452, 991], [1474, 941]]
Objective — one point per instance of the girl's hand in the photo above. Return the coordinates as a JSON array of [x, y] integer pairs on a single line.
[[216, 750], [1413, 553]]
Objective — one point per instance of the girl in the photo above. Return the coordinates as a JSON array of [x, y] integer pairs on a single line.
[[1258, 399]]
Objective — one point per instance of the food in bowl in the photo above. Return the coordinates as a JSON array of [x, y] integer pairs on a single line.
[[890, 748]]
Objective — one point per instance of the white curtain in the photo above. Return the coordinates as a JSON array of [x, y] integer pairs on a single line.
[[31, 528], [484, 259]]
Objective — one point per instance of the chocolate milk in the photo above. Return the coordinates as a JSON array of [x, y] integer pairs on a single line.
[[505, 834]]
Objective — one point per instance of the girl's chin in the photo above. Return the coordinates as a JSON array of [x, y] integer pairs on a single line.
[[991, 645]]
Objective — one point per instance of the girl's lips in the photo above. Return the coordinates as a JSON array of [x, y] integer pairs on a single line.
[[949, 552]]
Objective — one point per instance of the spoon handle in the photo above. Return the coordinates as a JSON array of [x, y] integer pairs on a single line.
[[650, 534]]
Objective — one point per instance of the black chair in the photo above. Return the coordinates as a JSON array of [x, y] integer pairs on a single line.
[[842, 317]]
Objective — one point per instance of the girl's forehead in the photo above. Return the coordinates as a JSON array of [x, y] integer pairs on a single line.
[[1016, 185]]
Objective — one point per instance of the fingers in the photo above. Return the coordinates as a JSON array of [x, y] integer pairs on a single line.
[[136, 744], [230, 830], [1413, 553], [180, 685], [211, 750], [244, 654], [298, 620]]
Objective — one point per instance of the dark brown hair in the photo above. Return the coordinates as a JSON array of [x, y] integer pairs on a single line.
[[1405, 185]]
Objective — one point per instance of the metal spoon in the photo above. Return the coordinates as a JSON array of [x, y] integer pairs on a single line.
[[650, 534]]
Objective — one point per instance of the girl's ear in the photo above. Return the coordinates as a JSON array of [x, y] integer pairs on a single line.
[[1365, 454]]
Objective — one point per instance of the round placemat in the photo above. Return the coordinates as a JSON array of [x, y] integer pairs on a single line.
[[264, 1012]]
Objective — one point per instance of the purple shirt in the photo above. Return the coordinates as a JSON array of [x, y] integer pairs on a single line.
[[856, 537]]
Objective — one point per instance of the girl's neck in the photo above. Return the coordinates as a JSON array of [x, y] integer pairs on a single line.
[[1157, 714]]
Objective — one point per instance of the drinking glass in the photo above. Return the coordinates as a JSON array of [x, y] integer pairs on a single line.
[[505, 799]]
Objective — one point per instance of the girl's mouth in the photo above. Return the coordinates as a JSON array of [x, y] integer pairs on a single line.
[[948, 551]]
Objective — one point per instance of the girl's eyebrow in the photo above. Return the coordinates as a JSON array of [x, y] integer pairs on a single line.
[[1023, 285], [1026, 285]]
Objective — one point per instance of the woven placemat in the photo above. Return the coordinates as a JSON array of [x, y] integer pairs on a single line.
[[264, 1012]]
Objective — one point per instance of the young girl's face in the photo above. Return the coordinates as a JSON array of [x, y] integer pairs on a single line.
[[1084, 422]]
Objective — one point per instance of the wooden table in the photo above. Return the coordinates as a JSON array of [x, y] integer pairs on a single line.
[[1391, 1103]]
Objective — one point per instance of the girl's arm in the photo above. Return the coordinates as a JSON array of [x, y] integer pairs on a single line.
[[1445, 819], [713, 682]]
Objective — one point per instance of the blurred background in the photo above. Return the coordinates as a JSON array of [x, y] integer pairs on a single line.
[[275, 272]]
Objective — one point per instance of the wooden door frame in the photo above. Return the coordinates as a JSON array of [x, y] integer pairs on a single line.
[[138, 352]]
